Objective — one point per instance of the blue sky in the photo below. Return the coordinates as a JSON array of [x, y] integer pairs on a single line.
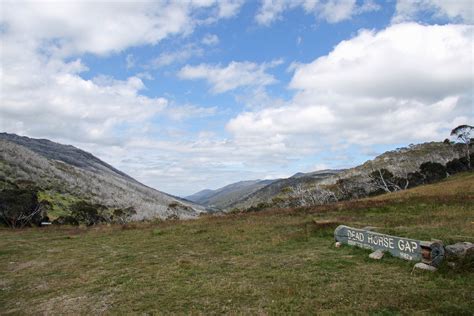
[[188, 95]]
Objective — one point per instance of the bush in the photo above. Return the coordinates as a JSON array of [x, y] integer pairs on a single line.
[[66, 220], [88, 213], [20, 207], [415, 179], [123, 215], [457, 165], [433, 171]]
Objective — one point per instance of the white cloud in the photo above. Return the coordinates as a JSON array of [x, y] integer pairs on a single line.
[[210, 40], [403, 61], [409, 10], [179, 56], [51, 99], [69, 28], [232, 76], [229, 8], [179, 113], [404, 84], [332, 11]]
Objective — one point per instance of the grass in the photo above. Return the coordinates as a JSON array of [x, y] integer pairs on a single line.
[[270, 262]]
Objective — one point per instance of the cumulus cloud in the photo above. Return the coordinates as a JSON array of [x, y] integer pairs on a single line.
[[406, 83], [51, 99], [403, 61], [232, 76], [332, 11], [43, 91], [460, 10], [65, 28]]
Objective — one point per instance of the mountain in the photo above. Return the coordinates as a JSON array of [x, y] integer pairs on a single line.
[[65, 173], [402, 165], [316, 174], [273, 189], [223, 197], [233, 194]]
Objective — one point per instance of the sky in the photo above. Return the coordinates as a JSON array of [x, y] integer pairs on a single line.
[[189, 95]]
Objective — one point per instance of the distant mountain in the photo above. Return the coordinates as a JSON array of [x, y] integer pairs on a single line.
[[322, 186], [255, 191], [68, 171], [225, 196], [316, 174], [268, 192]]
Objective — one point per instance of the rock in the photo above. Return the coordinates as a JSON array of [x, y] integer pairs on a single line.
[[452, 265], [424, 266], [460, 251], [338, 244], [377, 255]]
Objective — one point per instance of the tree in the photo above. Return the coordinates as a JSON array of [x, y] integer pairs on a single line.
[[20, 208], [432, 171], [463, 133], [384, 180]]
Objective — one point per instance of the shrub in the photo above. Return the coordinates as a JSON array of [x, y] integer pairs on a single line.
[[88, 213], [66, 220], [123, 215], [415, 179], [20, 207], [457, 165], [433, 171]]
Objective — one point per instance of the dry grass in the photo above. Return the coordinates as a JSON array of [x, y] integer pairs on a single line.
[[278, 261]]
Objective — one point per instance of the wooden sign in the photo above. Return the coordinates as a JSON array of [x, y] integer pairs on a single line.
[[405, 248]]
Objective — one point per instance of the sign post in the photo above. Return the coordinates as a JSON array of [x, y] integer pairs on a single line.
[[431, 253]]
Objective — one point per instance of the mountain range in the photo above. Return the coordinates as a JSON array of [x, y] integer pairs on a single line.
[[64, 174]]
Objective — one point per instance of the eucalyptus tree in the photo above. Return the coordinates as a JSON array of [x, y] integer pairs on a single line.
[[463, 133]]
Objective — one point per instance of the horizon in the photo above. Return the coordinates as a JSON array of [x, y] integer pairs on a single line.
[[186, 96]]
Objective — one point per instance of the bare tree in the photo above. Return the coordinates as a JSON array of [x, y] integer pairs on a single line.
[[463, 133], [384, 180], [312, 195]]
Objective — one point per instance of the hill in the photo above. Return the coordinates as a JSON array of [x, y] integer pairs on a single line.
[[278, 261], [231, 195], [64, 175], [223, 197], [400, 167]]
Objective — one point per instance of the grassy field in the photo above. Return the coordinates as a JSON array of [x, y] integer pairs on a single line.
[[270, 262]]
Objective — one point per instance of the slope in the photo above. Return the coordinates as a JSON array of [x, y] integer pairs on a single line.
[[60, 170], [225, 196], [399, 162]]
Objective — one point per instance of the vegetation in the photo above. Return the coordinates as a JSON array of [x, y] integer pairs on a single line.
[[354, 185], [20, 208], [279, 261], [463, 133], [65, 175]]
